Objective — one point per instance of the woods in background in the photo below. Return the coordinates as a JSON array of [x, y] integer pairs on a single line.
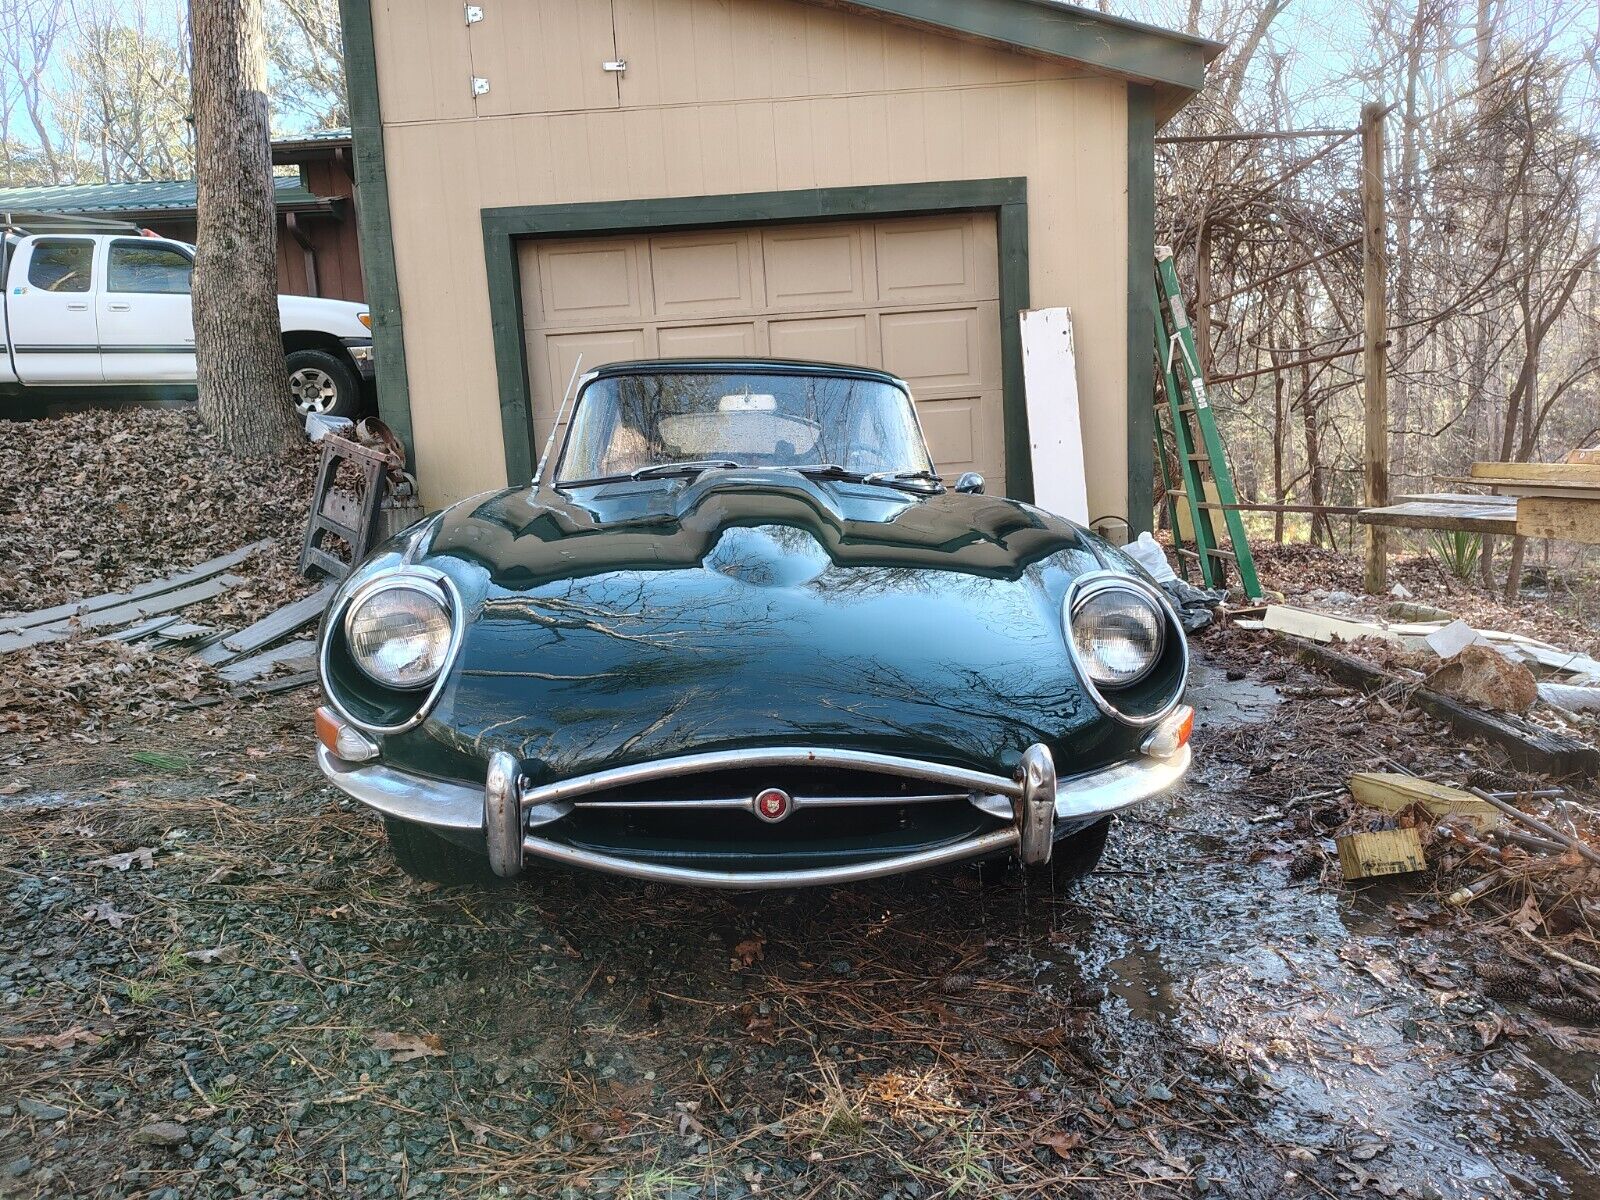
[[1493, 150], [97, 91]]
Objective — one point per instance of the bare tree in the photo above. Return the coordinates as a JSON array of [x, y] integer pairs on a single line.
[[28, 32], [244, 390], [126, 93], [306, 51]]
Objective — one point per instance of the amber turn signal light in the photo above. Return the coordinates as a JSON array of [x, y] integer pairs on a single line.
[[343, 740], [1172, 735]]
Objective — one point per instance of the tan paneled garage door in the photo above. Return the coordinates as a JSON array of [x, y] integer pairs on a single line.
[[917, 296]]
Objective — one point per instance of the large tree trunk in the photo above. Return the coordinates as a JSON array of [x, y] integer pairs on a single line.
[[238, 341]]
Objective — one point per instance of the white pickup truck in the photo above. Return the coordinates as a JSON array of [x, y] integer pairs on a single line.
[[111, 311]]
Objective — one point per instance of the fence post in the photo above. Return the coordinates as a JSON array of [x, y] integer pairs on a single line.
[[1375, 317]]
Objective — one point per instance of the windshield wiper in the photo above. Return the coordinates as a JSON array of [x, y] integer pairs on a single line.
[[907, 481], [658, 471], [693, 467], [894, 477]]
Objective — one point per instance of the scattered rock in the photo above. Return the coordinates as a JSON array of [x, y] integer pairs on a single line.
[[39, 1110], [161, 1133]]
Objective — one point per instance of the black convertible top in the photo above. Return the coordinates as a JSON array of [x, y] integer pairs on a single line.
[[748, 366]]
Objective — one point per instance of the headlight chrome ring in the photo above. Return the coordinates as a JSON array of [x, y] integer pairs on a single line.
[[1096, 678], [434, 584]]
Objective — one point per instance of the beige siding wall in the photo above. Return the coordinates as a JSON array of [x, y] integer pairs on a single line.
[[722, 96]]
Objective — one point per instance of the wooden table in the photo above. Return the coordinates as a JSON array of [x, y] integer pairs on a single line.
[[1449, 511]]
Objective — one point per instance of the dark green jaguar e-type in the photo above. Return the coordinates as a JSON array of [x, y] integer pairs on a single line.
[[741, 634]]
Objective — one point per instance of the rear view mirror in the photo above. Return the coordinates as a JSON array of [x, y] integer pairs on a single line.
[[747, 402], [971, 482]]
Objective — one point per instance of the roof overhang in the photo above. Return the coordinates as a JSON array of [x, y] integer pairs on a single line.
[[1172, 64]]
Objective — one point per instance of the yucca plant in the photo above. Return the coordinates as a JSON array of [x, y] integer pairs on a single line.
[[1458, 551]]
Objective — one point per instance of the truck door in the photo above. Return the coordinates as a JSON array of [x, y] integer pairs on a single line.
[[51, 312], [146, 318]]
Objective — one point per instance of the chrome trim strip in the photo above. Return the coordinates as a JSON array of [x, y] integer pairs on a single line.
[[408, 797], [421, 798], [995, 842], [1085, 798], [1174, 629], [391, 577], [748, 803], [689, 764]]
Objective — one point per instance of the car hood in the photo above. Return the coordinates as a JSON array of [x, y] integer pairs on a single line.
[[639, 621]]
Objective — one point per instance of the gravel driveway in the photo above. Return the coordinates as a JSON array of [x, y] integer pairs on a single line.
[[213, 982]]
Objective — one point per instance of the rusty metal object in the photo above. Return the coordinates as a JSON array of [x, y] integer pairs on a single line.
[[350, 515]]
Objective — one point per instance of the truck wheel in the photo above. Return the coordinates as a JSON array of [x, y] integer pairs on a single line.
[[423, 854], [320, 383]]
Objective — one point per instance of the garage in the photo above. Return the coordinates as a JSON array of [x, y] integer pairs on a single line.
[[918, 296], [887, 183]]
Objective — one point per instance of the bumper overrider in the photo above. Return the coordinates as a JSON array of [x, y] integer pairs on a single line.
[[1032, 809]]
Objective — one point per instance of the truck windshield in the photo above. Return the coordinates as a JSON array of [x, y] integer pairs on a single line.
[[630, 423]]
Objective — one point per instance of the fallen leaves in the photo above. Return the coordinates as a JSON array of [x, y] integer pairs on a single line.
[[1062, 1144], [748, 952], [104, 910], [65, 1040], [115, 498], [403, 1047], [144, 856]]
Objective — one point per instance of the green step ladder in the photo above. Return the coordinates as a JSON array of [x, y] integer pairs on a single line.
[[1189, 412]]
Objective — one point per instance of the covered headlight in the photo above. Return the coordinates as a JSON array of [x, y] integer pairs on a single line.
[[1117, 632], [399, 633]]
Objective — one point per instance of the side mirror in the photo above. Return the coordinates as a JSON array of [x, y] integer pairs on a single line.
[[971, 482]]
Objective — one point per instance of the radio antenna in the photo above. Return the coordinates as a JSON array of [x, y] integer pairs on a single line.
[[550, 442]]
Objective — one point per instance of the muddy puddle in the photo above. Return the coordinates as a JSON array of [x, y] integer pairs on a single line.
[[1360, 1040]]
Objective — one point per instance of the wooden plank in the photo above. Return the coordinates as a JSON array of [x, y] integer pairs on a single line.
[[302, 651], [1526, 744], [143, 629], [1568, 520], [1381, 852], [1449, 498], [1557, 488], [1320, 627], [121, 615], [1485, 518], [1374, 344], [286, 684], [269, 629], [1585, 474], [1050, 380], [1396, 793], [62, 612]]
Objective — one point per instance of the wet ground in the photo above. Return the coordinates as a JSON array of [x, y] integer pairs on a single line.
[[271, 1009]]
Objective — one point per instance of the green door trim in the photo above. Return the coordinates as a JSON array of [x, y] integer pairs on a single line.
[[373, 223], [1141, 308], [504, 227]]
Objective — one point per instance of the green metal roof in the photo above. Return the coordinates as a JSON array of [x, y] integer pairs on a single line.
[[176, 196]]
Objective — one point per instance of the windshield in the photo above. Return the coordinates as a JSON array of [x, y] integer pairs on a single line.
[[629, 423]]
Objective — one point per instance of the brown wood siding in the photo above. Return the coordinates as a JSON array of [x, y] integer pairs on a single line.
[[724, 97]]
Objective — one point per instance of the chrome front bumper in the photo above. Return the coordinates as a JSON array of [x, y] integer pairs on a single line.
[[1036, 806]]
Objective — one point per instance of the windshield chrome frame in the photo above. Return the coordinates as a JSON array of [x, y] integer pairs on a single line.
[[592, 377]]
